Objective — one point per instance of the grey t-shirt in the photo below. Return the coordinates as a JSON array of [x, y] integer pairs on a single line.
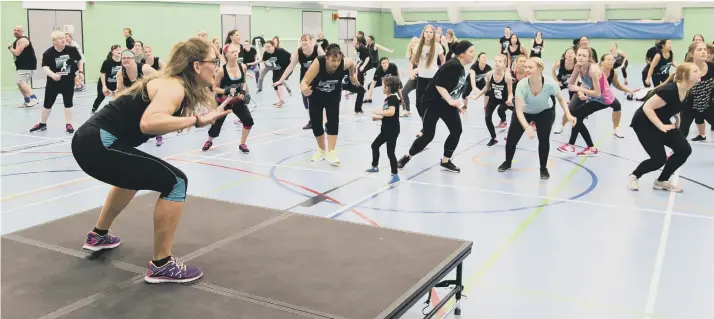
[[535, 104]]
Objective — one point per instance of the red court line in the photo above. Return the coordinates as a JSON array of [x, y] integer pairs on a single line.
[[358, 213]]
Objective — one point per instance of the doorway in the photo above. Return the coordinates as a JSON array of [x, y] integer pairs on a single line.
[[41, 24], [348, 30]]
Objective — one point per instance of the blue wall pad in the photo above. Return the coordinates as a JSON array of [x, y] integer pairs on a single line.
[[553, 30]]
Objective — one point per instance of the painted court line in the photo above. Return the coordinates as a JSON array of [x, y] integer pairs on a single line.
[[661, 250]]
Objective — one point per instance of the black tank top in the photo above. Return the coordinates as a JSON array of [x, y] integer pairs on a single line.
[[537, 47], [563, 73], [122, 116], [499, 90], [328, 84], [227, 81], [515, 53], [154, 65], [139, 74], [662, 67], [27, 59], [373, 54], [480, 74], [306, 60]]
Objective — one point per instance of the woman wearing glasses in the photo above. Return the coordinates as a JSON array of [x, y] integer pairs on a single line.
[[105, 148]]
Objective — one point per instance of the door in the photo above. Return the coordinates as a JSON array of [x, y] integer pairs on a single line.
[[240, 22], [312, 22], [348, 30], [41, 24], [228, 23]]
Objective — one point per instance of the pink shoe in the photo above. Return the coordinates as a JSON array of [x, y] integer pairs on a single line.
[[567, 148], [590, 151], [502, 125], [159, 140]]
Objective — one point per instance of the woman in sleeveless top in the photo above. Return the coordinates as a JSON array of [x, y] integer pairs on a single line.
[[515, 49], [153, 61], [661, 62], [537, 45], [132, 71], [105, 148], [499, 88], [621, 61], [607, 65], [561, 71]]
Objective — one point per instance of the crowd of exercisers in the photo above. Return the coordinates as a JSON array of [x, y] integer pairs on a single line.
[[201, 81]]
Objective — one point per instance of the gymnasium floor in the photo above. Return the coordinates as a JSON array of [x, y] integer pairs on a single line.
[[579, 245]]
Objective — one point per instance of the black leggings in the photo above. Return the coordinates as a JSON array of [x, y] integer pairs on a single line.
[[117, 163], [583, 111], [241, 111], [421, 84], [490, 108], [100, 94], [391, 139], [331, 105], [432, 114], [624, 68], [544, 122], [408, 88], [65, 87], [350, 87], [689, 115], [654, 141]]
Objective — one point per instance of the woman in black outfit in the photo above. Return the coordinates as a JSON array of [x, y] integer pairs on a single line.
[[277, 59], [475, 78], [661, 62], [441, 100], [230, 82], [701, 104], [653, 126], [389, 115], [383, 70], [105, 148], [537, 45], [107, 83], [323, 85], [499, 92]]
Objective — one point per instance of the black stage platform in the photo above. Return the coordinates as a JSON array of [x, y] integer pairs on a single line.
[[257, 263]]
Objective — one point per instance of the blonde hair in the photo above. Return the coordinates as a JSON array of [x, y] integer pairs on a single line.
[[453, 36], [679, 76], [432, 48], [180, 65], [56, 35], [538, 62]]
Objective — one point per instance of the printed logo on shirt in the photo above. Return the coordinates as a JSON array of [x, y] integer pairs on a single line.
[[327, 86], [272, 62], [536, 50], [498, 90], [61, 64], [113, 75], [307, 64], [456, 93]]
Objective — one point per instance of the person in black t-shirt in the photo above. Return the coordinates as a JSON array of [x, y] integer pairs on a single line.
[[250, 59], [505, 41], [442, 99], [384, 69], [389, 115], [278, 60], [653, 126], [107, 83], [322, 42], [129, 40], [61, 63], [700, 106], [661, 62]]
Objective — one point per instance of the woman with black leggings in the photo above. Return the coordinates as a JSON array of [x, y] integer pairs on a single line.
[[594, 94], [389, 115], [107, 83], [323, 85], [441, 100], [701, 104], [661, 62], [105, 148], [230, 82], [533, 95], [653, 126], [499, 89]]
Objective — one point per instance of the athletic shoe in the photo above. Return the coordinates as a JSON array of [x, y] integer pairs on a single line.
[[699, 138], [558, 130], [33, 102], [544, 174], [318, 156], [243, 148], [449, 166], [39, 127], [617, 133], [373, 169], [395, 179], [207, 146], [308, 126], [567, 148], [492, 142], [69, 128], [159, 140], [173, 271], [504, 167], [666, 186], [590, 151], [403, 161], [633, 184], [331, 157], [95, 242], [502, 125]]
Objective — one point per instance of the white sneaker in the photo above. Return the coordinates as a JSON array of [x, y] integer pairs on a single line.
[[666, 186], [332, 158], [633, 185], [318, 156], [618, 133]]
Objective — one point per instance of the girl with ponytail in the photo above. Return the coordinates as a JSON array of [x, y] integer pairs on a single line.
[[389, 115]]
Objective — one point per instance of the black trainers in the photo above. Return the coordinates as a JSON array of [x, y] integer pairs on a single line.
[[504, 167], [544, 173], [492, 142], [308, 126], [449, 166], [699, 138], [403, 161], [244, 148], [39, 127]]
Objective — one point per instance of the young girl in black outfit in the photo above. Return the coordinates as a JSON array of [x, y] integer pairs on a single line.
[[653, 126], [441, 101], [701, 105], [389, 115], [107, 83], [499, 90], [230, 82]]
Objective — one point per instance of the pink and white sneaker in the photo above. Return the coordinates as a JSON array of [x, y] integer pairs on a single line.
[[502, 125], [567, 148], [590, 151]]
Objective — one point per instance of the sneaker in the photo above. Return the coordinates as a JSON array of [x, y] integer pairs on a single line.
[[95, 242], [69, 128], [394, 180], [243, 148], [492, 142], [449, 166], [159, 140], [504, 167], [207, 146], [502, 125], [331, 157], [699, 138], [544, 174], [633, 184], [23, 105], [39, 127], [32, 102], [666, 186], [403, 161], [590, 151], [308, 126], [558, 130], [173, 271], [567, 148], [617, 133], [367, 101], [318, 156], [373, 169]]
